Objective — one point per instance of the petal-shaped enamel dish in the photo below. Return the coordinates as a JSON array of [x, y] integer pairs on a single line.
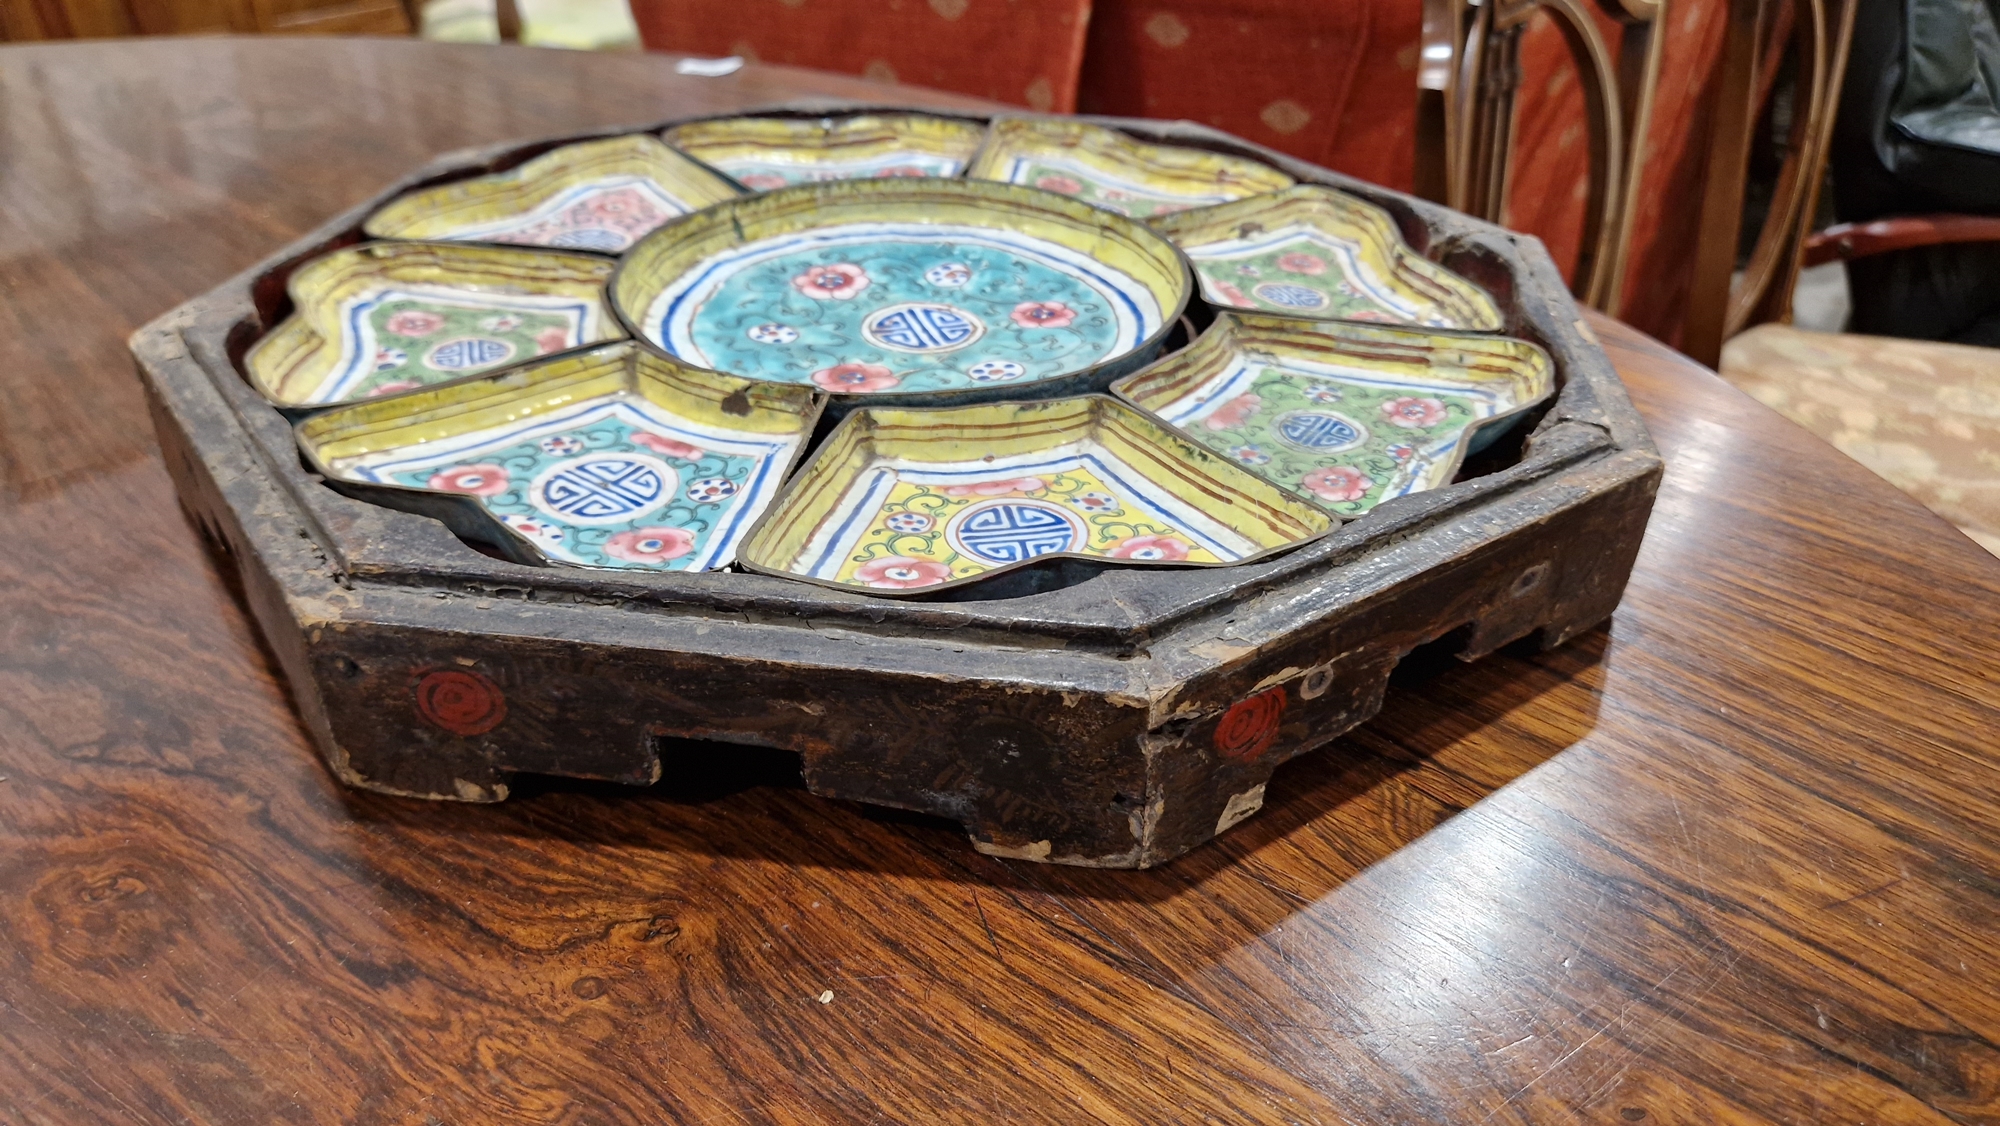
[[907, 292], [774, 152], [903, 503], [611, 457], [1111, 170], [599, 195], [1349, 415], [1315, 252], [386, 317]]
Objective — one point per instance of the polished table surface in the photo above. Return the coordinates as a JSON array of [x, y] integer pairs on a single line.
[[1734, 859]]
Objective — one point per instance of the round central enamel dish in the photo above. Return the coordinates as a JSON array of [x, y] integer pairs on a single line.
[[907, 292]]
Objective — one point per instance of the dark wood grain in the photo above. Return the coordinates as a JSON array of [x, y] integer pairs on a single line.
[[1880, 236], [1736, 859]]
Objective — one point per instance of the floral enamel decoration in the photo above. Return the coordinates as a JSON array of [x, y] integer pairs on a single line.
[[1165, 549], [1412, 413], [1312, 251], [906, 289], [1337, 483], [897, 572], [612, 457], [841, 281], [1115, 171], [383, 318], [1043, 314], [650, 545], [1347, 415], [483, 480], [917, 501], [767, 153], [851, 378], [597, 195]]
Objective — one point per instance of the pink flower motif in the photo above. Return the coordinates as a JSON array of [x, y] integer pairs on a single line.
[[482, 480], [666, 447], [551, 339], [394, 386], [1151, 548], [903, 170], [411, 322], [900, 572], [855, 377], [1337, 482], [1302, 264], [1233, 413], [1413, 413], [1230, 294], [997, 488], [1375, 315], [1043, 314], [840, 281], [1402, 451], [1171, 208], [761, 181], [1066, 185], [650, 545]]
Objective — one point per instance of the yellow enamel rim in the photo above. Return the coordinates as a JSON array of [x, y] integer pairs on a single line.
[[1525, 371], [817, 141], [1248, 505], [1122, 244], [294, 360], [1167, 169], [337, 436], [1469, 307], [441, 212]]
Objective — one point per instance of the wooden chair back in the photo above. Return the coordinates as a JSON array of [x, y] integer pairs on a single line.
[[1468, 79], [1818, 32]]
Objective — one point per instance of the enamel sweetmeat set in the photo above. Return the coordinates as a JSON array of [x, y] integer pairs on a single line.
[[1062, 477]]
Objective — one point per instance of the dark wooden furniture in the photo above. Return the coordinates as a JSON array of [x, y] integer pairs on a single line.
[[1468, 78], [1730, 861], [1817, 33], [26, 20], [1844, 241]]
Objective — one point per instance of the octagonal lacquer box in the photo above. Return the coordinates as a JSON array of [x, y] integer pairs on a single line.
[[1072, 710]]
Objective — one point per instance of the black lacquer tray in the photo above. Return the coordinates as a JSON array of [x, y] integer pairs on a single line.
[[1067, 711]]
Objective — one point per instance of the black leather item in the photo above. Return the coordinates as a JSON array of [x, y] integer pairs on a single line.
[[1919, 133]]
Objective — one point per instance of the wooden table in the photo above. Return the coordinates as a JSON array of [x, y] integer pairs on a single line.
[[1736, 859]]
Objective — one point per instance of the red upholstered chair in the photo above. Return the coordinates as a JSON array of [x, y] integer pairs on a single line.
[[1329, 81], [1024, 52]]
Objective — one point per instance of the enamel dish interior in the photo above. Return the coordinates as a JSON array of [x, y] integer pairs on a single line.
[[904, 287], [387, 317], [1311, 251], [1110, 170], [612, 457], [910, 502], [599, 195], [1349, 415], [774, 152]]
